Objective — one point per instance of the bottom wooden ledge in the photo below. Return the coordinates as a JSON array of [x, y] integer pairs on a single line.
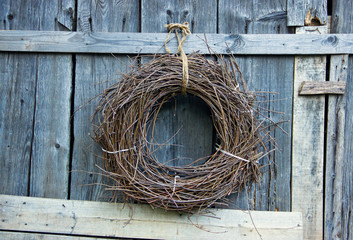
[[41, 236], [100, 219]]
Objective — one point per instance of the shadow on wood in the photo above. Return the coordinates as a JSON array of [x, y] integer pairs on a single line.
[[183, 132]]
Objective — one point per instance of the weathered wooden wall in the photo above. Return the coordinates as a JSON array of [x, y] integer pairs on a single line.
[[46, 153], [35, 105]]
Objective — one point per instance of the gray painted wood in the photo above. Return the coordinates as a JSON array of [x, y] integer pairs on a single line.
[[342, 22], [93, 73], [150, 43], [335, 151], [265, 74], [185, 123], [28, 152], [295, 13]]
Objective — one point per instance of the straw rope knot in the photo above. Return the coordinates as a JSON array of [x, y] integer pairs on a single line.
[[184, 28]]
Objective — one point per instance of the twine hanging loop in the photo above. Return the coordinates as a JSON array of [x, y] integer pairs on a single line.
[[184, 28]]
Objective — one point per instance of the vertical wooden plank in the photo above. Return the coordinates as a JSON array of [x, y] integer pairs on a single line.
[[273, 74], [342, 22], [308, 114], [17, 109], [51, 142], [335, 151], [308, 143], [16, 120], [185, 121], [27, 150], [347, 198], [342, 16], [93, 72], [295, 13]]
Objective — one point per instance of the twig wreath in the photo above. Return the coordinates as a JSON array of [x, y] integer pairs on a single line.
[[128, 111]]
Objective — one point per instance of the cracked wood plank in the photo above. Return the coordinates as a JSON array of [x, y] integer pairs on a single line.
[[41, 215], [315, 12]]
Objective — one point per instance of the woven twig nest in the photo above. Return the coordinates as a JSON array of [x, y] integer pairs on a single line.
[[126, 116]]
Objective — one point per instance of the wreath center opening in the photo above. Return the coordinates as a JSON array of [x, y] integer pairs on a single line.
[[183, 133]]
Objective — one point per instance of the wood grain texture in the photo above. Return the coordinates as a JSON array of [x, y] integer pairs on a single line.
[[17, 95], [65, 20], [318, 88], [271, 74], [295, 13], [41, 236], [335, 151], [25, 84], [347, 198], [308, 145], [140, 221], [343, 23], [93, 74], [147, 43], [51, 142], [201, 16], [185, 123]]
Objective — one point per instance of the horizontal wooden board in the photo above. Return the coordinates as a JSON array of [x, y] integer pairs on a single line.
[[150, 43], [40, 236], [86, 218], [317, 88]]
